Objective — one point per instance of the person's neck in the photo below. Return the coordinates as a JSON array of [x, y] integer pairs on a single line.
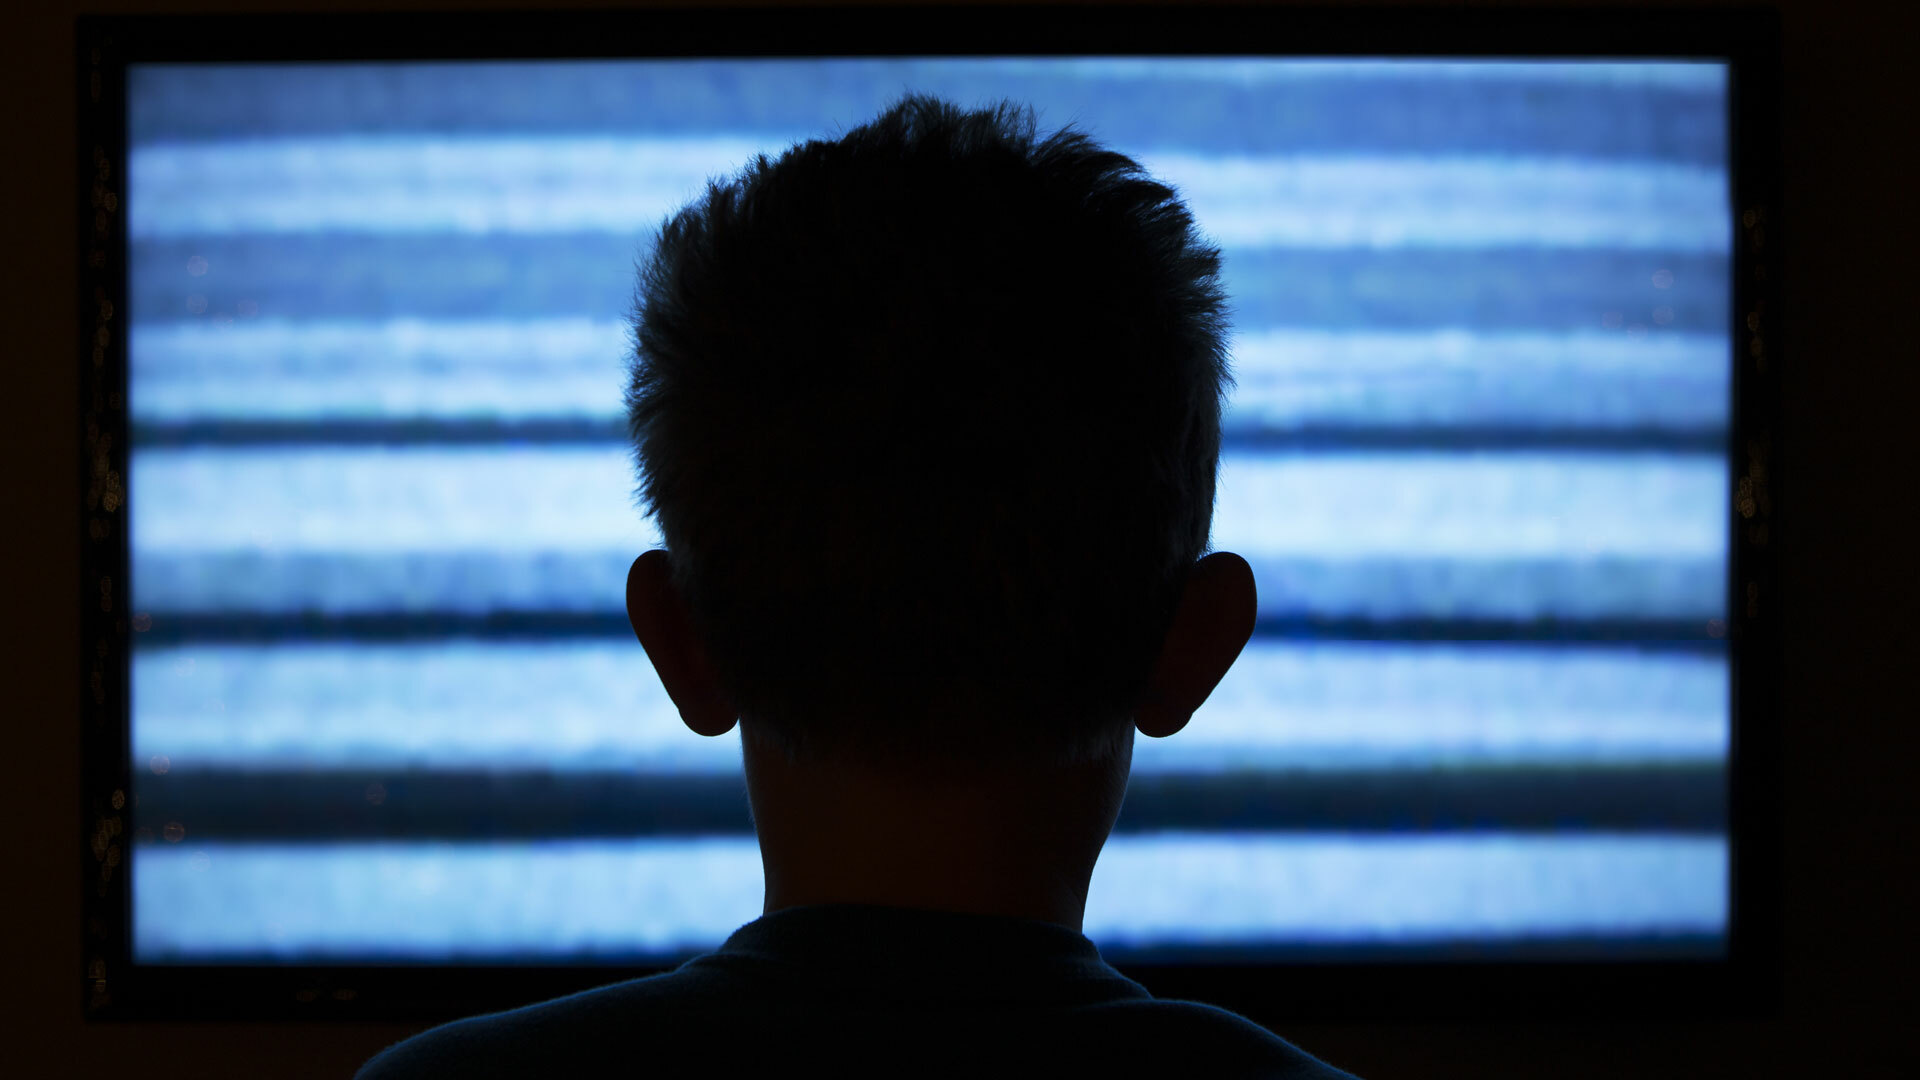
[[1014, 844]]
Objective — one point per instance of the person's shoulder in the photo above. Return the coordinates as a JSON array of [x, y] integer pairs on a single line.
[[1193, 1038], [566, 1032], [461, 1048]]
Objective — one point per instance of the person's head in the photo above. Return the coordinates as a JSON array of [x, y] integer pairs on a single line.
[[929, 419]]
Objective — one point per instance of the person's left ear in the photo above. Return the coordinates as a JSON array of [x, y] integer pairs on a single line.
[[665, 628]]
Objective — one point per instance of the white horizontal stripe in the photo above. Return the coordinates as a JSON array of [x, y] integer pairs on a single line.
[[398, 369], [1196, 887], [1332, 506], [375, 500], [426, 184], [1450, 202], [423, 183], [455, 705], [570, 705], [446, 369], [1301, 377], [204, 901], [1380, 705], [1464, 506], [429, 583]]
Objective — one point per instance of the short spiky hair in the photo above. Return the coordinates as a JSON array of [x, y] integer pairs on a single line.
[[929, 417]]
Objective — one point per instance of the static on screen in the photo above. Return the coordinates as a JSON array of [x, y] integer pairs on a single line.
[[386, 706]]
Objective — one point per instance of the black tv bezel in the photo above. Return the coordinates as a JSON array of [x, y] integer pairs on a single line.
[[1743, 983]]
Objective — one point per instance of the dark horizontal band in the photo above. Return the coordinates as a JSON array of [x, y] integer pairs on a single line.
[[1327, 115], [416, 804], [511, 979]]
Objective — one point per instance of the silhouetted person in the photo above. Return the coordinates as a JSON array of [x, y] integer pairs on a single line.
[[929, 417]]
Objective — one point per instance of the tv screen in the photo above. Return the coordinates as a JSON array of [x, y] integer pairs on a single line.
[[382, 704]]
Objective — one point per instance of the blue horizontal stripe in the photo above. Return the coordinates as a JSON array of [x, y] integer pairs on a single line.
[[363, 276], [1687, 634], [611, 431], [1556, 109], [1517, 289], [451, 431], [307, 803]]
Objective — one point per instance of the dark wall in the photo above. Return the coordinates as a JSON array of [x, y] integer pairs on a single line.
[[1846, 502]]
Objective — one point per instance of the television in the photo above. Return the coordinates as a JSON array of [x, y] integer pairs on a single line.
[[366, 733]]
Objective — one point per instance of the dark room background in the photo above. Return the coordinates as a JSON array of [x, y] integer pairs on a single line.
[[1845, 502]]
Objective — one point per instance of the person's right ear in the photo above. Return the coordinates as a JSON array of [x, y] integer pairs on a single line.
[[665, 628], [1210, 628]]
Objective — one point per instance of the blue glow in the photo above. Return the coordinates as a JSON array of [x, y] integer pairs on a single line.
[[465, 704], [1481, 340], [582, 899]]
